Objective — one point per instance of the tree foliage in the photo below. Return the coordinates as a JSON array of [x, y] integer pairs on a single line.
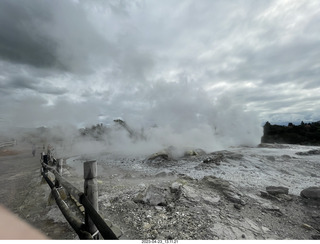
[[304, 134]]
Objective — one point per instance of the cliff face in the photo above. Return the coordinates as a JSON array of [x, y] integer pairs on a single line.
[[304, 134]]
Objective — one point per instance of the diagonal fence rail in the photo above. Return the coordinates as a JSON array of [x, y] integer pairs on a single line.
[[94, 225], [7, 144]]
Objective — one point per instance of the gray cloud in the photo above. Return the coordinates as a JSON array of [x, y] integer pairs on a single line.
[[177, 62], [20, 83], [21, 39]]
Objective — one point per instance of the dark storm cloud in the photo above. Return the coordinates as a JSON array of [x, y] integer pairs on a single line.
[[49, 34], [21, 40], [21, 83]]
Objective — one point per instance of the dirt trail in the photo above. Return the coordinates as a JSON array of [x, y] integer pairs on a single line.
[[22, 192], [18, 168]]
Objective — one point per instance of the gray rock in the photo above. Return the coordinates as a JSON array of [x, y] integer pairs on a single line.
[[154, 196], [285, 197], [311, 193], [216, 159], [161, 174], [271, 158], [227, 189], [276, 190], [190, 193], [211, 199], [159, 155], [233, 197], [310, 152], [175, 187], [194, 152], [268, 196]]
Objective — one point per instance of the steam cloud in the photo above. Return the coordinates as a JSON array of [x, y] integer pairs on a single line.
[[83, 63], [182, 116]]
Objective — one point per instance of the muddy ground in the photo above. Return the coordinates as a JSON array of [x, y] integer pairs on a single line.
[[160, 199]]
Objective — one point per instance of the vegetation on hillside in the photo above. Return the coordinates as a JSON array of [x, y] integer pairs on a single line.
[[304, 134]]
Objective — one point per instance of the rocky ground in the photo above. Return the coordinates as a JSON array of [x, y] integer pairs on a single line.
[[219, 195]]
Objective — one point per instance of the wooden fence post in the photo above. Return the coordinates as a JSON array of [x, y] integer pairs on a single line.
[[91, 192]]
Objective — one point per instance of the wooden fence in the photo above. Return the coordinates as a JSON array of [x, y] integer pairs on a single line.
[[93, 226], [7, 144]]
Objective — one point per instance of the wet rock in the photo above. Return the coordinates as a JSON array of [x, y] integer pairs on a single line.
[[311, 193], [276, 190]]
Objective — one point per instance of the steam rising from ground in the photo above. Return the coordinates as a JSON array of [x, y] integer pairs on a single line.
[[182, 117], [161, 114]]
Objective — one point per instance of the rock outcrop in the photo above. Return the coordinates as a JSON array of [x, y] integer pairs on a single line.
[[311, 193], [276, 190]]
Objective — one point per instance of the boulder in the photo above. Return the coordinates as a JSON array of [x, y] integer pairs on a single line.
[[156, 196], [276, 190], [311, 193], [159, 155]]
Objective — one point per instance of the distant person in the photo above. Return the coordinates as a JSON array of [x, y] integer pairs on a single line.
[[33, 150]]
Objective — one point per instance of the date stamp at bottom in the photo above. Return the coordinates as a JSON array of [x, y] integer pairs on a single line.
[[159, 241]]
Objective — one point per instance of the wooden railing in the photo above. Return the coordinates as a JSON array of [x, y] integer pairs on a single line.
[[94, 225], [7, 144]]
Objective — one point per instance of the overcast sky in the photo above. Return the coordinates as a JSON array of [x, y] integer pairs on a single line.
[[88, 62]]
